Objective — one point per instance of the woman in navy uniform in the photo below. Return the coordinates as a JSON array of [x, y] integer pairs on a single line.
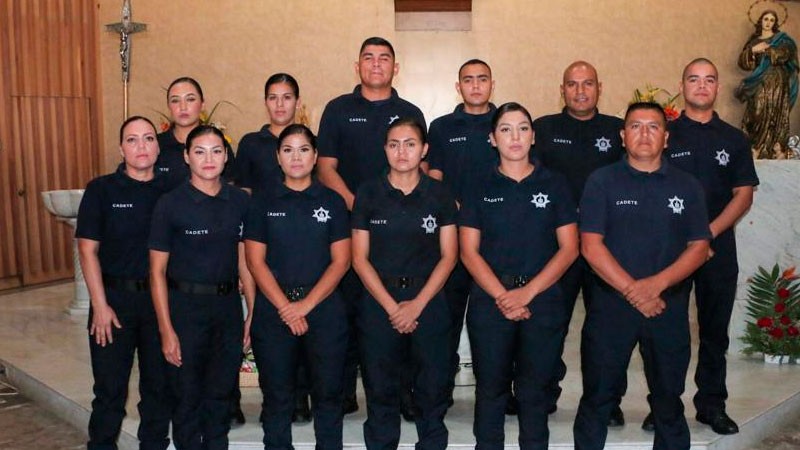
[[297, 240], [518, 235], [196, 259], [404, 248], [113, 221], [185, 102], [256, 164]]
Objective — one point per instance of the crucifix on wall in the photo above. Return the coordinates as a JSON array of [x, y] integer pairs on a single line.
[[125, 29]]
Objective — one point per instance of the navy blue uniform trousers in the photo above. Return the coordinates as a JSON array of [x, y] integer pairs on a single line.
[[278, 353], [210, 331], [111, 367], [526, 352], [611, 331], [384, 351]]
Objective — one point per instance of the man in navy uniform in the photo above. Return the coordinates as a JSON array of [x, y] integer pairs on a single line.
[[575, 142], [644, 231], [460, 155], [351, 137], [719, 156]]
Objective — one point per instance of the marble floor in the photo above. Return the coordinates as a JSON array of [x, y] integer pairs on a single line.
[[46, 356]]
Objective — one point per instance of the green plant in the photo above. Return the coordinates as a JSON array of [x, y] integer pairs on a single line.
[[773, 299]]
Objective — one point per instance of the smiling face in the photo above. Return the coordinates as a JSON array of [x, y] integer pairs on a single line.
[[297, 157], [206, 156], [475, 85], [513, 136], [376, 67], [281, 104], [699, 86], [404, 149], [139, 146], [185, 104], [581, 90]]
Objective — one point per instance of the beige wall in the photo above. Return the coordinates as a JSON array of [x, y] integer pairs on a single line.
[[232, 46]]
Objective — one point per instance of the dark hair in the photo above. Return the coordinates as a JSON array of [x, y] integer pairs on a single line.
[[507, 108], [202, 130], [375, 40], [282, 78], [297, 128], [189, 80], [648, 106], [700, 60], [131, 119], [472, 62], [774, 14], [408, 122]]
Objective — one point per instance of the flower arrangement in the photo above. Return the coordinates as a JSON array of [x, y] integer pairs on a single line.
[[661, 96], [773, 303], [206, 118]]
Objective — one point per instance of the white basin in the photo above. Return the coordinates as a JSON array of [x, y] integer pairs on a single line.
[[63, 203]]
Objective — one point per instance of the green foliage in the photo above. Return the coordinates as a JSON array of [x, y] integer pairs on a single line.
[[773, 308]]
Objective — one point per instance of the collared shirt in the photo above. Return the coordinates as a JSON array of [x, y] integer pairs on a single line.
[[353, 130], [172, 164], [298, 228], [719, 156], [200, 232], [459, 146], [518, 220], [576, 148], [116, 211], [403, 229], [646, 219], [256, 161]]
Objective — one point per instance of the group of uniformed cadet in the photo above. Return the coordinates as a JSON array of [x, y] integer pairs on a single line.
[[348, 255]]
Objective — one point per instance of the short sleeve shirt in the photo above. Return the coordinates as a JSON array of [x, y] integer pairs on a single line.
[[116, 211], [353, 130], [576, 148], [459, 146], [403, 229], [256, 160], [298, 228], [200, 232], [646, 219], [518, 220]]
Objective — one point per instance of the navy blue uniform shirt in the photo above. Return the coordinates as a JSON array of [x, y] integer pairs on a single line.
[[646, 219], [116, 211], [298, 229], [403, 229], [256, 160], [201, 233], [518, 220], [459, 146], [719, 156], [171, 163], [353, 130], [576, 148]]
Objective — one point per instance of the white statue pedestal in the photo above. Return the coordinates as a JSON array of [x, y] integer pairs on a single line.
[[769, 233], [64, 205]]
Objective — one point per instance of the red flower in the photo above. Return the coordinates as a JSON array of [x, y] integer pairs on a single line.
[[780, 307], [788, 274], [784, 293], [671, 112], [776, 332], [792, 331], [785, 320], [764, 322]]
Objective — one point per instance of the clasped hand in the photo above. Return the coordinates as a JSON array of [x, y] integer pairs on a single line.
[[404, 317], [514, 304], [294, 315], [645, 296]]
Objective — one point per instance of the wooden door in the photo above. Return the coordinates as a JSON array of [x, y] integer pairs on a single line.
[[51, 81]]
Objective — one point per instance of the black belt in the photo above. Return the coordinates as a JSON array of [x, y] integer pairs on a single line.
[[402, 282], [295, 294], [515, 281], [126, 284], [220, 289], [674, 289]]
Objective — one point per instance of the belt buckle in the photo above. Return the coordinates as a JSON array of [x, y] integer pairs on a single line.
[[520, 280], [295, 294], [403, 282]]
